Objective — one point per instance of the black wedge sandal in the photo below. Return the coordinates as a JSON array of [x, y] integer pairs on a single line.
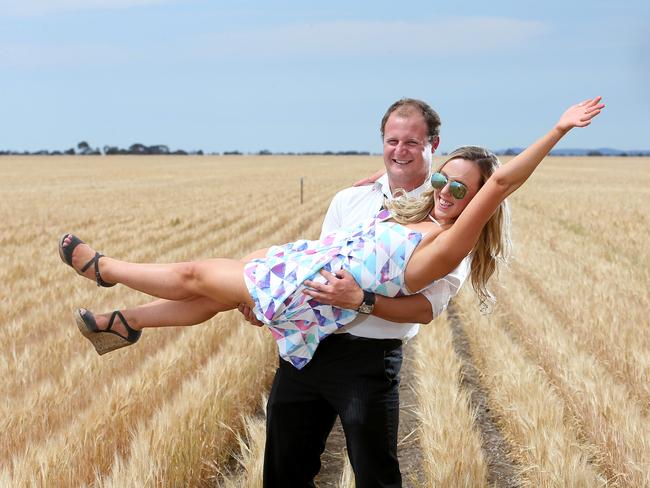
[[65, 252], [105, 340]]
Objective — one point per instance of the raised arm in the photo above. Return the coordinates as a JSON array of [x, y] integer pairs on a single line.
[[435, 258], [512, 175]]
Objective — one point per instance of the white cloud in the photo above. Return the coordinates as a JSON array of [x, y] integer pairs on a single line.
[[29, 8], [447, 37]]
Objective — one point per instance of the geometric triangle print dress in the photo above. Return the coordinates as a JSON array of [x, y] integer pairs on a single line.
[[375, 253]]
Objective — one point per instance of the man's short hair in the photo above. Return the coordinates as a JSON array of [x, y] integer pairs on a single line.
[[409, 106]]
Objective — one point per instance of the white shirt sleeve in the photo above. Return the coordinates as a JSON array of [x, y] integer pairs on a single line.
[[333, 219], [441, 291]]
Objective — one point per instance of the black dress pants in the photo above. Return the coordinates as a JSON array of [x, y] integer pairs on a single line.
[[352, 377]]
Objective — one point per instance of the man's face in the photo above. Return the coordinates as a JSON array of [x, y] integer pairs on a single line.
[[407, 154]]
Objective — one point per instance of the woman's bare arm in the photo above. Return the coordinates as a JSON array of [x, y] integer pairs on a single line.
[[435, 258], [518, 170]]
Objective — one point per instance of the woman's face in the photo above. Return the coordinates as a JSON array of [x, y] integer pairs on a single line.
[[447, 208]]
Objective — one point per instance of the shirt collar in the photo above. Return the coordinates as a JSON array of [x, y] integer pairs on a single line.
[[382, 185]]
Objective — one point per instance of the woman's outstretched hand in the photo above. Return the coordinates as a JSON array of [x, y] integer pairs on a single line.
[[580, 115]]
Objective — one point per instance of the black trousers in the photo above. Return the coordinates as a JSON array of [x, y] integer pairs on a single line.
[[352, 377]]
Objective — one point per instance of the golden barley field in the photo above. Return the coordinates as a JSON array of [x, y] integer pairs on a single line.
[[562, 365]]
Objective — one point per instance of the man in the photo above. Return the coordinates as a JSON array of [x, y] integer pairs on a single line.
[[354, 373]]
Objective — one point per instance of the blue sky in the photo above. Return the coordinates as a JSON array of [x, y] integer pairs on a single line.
[[292, 76]]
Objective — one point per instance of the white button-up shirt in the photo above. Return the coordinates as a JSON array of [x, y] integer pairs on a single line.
[[354, 205]]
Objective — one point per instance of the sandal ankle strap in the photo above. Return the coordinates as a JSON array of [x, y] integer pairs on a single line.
[[98, 276], [133, 336]]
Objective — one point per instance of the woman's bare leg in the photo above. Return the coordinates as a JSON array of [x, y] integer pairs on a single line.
[[164, 313], [219, 279]]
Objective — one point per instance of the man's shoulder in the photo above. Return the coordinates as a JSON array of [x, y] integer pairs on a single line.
[[355, 193], [351, 206]]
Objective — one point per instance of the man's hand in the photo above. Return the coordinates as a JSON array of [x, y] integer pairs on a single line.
[[341, 290], [249, 315], [370, 179]]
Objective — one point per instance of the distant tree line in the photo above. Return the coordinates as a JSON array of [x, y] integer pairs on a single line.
[[84, 149], [266, 152]]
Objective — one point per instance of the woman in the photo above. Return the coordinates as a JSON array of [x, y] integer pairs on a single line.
[[387, 256]]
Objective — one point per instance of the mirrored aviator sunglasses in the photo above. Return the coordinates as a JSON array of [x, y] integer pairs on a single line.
[[457, 189]]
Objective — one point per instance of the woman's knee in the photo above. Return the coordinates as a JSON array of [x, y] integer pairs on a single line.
[[189, 274]]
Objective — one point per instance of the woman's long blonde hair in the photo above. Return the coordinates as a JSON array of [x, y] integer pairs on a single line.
[[493, 246]]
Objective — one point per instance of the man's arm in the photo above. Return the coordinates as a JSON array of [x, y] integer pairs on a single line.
[[412, 309], [343, 291]]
